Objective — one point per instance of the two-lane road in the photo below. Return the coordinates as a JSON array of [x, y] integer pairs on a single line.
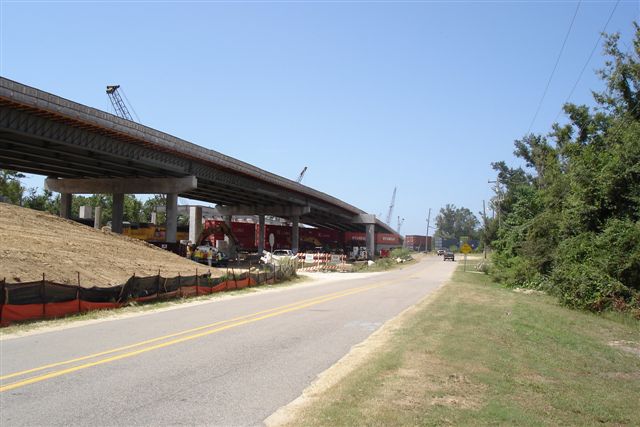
[[228, 362]]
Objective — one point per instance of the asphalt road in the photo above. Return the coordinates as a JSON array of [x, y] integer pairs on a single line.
[[230, 362]]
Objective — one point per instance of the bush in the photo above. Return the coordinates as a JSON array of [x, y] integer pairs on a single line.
[[402, 253], [287, 268], [516, 272], [587, 287], [619, 251]]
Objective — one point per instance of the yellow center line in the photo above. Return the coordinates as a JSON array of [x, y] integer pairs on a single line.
[[164, 337], [247, 320]]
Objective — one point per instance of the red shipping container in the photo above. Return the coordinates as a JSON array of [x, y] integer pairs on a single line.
[[387, 239], [355, 237]]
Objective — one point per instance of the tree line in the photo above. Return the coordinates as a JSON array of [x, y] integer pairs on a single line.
[[135, 211], [569, 222]]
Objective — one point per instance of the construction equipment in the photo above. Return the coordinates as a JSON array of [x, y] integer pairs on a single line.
[[393, 202], [204, 242], [118, 104], [301, 175], [400, 222]]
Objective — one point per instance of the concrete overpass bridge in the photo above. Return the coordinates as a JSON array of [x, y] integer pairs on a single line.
[[83, 150]]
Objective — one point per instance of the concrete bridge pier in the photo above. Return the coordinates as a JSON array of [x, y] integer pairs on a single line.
[[117, 213], [121, 186], [172, 218], [97, 220], [371, 242], [282, 211], [195, 223], [65, 205], [369, 222], [295, 233]]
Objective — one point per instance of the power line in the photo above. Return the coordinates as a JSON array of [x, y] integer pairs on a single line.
[[595, 46], [564, 42]]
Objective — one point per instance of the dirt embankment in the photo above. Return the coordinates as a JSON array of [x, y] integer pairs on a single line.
[[33, 243]]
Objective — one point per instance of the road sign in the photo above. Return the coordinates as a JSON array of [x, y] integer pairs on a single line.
[[272, 239], [465, 249]]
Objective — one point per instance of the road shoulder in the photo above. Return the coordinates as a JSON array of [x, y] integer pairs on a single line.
[[357, 356]]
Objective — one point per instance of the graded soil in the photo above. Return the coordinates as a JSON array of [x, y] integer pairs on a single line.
[[33, 243]]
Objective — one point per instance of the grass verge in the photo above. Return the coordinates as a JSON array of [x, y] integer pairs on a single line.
[[481, 354]]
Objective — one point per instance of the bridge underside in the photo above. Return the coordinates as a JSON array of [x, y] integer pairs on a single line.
[[37, 141]]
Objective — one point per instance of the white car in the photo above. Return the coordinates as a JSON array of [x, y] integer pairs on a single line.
[[277, 256]]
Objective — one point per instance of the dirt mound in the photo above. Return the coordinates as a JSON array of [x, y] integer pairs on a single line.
[[33, 243]]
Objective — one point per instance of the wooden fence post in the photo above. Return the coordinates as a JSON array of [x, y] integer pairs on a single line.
[[78, 292], [43, 295]]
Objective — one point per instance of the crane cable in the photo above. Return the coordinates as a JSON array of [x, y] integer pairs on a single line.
[[130, 105]]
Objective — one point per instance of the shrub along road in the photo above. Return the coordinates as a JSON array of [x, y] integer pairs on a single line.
[[229, 362], [479, 354]]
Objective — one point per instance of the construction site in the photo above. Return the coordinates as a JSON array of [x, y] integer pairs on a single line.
[[260, 229]]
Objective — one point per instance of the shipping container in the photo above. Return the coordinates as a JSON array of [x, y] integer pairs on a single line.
[[387, 239], [354, 238], [416, 242]]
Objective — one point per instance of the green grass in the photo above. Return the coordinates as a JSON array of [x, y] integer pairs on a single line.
[[481, 354], [381, 264]]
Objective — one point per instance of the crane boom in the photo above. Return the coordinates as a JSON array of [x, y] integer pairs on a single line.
[[301, 175], [118, 104], [393, 202]]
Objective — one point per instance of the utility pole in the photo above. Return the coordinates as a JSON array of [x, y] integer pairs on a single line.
[[426, 240], [484, 216], [498, 191]]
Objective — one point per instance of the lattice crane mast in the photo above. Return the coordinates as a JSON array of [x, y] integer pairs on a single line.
[[400, 222], [118, 104], [301, 175], [393, 202]]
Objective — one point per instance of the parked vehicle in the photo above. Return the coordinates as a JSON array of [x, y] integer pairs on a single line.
[[277, 256]]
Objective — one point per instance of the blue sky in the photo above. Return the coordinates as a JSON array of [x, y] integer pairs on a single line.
[[368, 95]]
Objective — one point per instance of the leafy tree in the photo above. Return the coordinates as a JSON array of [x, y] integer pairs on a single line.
[[11, 189], [152, 204], [571, 221], [454, 222], [42, 202]]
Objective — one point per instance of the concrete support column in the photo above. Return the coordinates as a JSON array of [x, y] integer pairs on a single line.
[[154, 218], [172, 218], [371, 241], [295, 234], [97, 219], [118, 213], [86, 212], [195, 223], [261, 230], [65, 205]]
